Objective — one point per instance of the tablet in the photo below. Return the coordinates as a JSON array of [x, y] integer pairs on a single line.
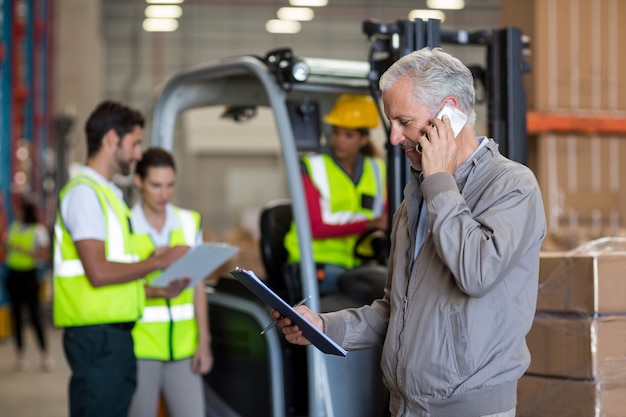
[[198, 263], [258, 287]]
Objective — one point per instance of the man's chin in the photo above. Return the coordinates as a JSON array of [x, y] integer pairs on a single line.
[[414, 157]]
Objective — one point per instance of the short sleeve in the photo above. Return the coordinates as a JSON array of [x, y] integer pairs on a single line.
[[82, 214], [42, 236]]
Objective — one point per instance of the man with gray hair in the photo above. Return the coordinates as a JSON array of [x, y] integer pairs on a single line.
[[464, 263]]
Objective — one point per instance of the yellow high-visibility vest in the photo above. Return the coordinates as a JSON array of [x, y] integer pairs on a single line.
[[345, 205], [76, 301], [25, 237], [168, 329]]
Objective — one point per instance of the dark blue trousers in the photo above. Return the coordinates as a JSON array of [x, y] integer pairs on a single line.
[[104, 370]]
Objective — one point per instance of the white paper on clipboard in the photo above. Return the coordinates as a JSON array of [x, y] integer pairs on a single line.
[[258, 287], [197, 263]]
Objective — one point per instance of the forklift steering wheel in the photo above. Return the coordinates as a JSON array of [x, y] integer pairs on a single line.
[[379, 244]]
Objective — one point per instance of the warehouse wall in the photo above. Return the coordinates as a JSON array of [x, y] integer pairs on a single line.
[[103, 53], [78, 65]]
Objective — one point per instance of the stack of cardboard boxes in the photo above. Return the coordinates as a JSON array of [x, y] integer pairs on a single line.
[[578, 338], [577, 66]]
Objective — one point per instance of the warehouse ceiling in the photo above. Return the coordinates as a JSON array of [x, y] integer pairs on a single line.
[[138, 61]]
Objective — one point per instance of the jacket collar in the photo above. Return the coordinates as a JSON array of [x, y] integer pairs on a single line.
[[484, 154]]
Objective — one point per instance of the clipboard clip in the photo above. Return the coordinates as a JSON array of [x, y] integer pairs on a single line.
[[273, 324]]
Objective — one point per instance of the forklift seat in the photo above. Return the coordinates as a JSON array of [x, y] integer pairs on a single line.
[[275, 221]]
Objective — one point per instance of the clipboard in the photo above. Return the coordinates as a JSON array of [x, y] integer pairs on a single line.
[[317, 338], [199, 261]]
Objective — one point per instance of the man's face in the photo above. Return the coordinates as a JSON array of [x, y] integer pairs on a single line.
[[407, 118], [128, 150]]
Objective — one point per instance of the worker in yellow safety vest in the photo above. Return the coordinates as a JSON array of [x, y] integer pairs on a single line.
[[345, 190], [27, 243], [172, 339], [98, 294]]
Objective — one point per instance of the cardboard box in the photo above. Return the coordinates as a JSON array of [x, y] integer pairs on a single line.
[[582, 283], [574, 43], [578, 347], [581, 177], [557, 397], [576, 66]]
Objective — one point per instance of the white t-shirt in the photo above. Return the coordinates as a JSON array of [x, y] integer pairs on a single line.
[[160, 238], [42, 236], [81, 211]]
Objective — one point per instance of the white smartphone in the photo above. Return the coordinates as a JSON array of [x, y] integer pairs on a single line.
[[457, 120]]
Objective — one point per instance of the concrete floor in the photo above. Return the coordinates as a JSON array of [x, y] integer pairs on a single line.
[[33, 392]]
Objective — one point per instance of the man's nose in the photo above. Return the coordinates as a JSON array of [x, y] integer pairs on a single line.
[[395, 136]]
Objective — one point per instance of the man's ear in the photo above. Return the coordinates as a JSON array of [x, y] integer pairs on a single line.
[[110, 139], [452, 100], [137, 180]]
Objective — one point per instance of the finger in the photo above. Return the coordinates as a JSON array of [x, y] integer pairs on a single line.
[[432, 130], [284, 322], [445, 125], [422, 141]]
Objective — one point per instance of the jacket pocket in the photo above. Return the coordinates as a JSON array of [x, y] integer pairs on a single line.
[[462, 352]]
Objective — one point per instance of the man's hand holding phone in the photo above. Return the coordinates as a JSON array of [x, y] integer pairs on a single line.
[[439, 141]]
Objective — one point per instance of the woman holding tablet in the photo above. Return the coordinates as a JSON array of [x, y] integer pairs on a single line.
[[172, 339]]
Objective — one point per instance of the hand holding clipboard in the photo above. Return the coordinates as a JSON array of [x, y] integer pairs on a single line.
[[307, 325]]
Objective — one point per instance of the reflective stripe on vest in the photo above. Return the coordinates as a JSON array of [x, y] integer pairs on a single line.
[[321, 179], [155, 314], [25, 237], [340, 203], [76, 301], [168, 329]]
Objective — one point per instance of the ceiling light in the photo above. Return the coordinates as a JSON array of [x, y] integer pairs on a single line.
[[169, 11], [308, 3], [282, 26], [160, 25], [426, 14], [165, 1], [446, 4], [295, 13]]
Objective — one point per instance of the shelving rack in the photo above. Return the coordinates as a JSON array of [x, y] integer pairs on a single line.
[[6, 95], [25, 110], [25, 97]]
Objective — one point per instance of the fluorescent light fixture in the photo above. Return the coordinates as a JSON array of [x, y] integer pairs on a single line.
[[164, 11], [308, 3], [426, 14], [160, 25], [282, 26], [445, 4], [295, 13], [165, 1]]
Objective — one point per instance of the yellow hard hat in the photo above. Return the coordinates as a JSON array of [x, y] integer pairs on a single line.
[[353, 111]]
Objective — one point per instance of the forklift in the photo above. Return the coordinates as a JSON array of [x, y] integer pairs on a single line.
[[262, 375]]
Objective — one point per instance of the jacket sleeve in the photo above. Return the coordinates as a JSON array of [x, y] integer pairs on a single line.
[[358, 328], [505, 229]]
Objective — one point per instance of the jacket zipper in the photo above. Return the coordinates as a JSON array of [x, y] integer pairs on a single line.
[[405, 303]]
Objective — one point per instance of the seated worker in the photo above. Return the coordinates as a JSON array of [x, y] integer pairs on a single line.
[[172, 338], [345, 190]]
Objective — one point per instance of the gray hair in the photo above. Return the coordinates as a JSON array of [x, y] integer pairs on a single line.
[[435, 75]]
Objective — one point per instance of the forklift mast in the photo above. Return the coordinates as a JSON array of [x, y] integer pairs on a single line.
[[501, 79]]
